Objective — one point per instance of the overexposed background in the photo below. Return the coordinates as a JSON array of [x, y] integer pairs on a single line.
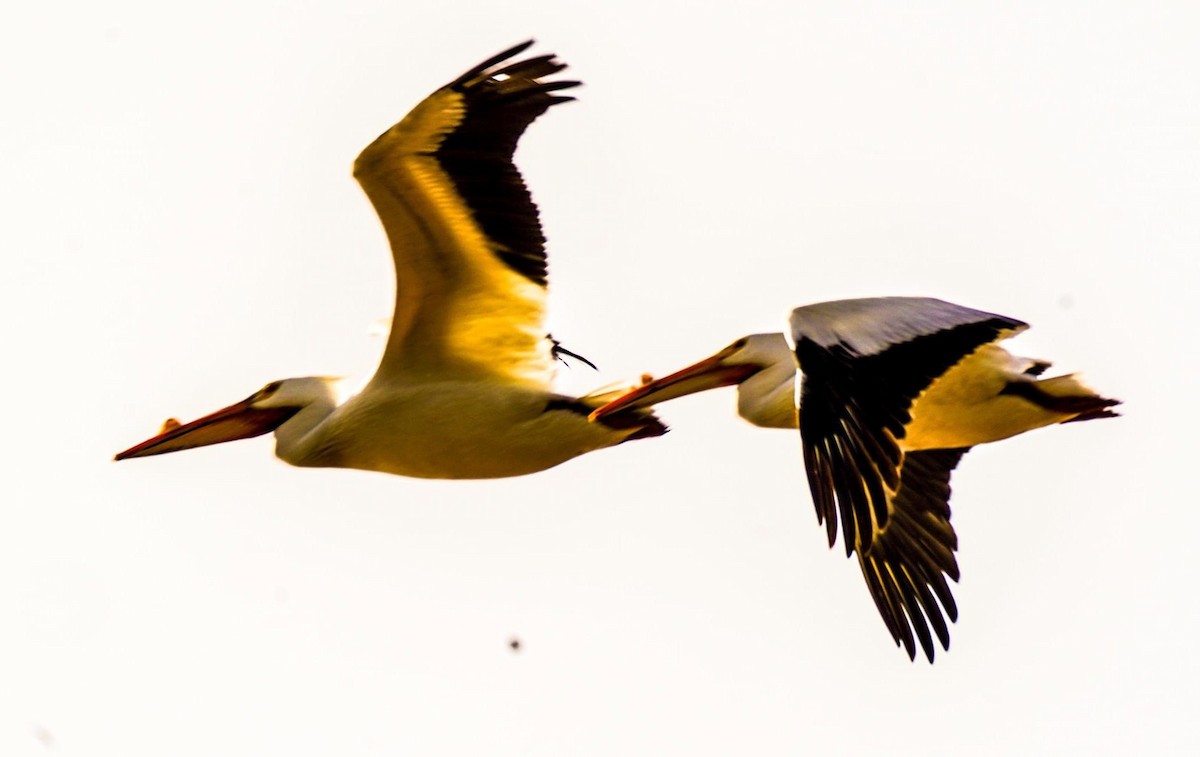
[[181, 227]]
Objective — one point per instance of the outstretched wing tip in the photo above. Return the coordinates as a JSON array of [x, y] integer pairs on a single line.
[[451, 199], [495, 60]]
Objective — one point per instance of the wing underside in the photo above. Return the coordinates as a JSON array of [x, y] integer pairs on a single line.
[[466, 240]]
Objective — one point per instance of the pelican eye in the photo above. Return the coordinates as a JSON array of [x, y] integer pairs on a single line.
[[740, 344], [269, 389]]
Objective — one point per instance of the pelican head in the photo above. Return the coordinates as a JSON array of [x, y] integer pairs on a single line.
[[761, 365], [290, 407]]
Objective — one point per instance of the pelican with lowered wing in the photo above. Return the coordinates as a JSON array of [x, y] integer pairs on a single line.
[[895, 390]]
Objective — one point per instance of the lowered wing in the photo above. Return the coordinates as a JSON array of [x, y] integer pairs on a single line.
[[865, 362]]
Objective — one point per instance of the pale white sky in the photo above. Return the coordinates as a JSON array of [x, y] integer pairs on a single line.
[[182, 227]]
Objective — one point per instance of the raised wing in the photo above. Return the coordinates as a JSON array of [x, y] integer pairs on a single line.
[[466, 241], [865, 362]]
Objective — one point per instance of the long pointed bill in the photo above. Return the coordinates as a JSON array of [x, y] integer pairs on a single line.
[[238, 421], [709, 373]]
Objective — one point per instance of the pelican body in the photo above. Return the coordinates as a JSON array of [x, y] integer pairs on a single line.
[[894, 392], [464, 386]]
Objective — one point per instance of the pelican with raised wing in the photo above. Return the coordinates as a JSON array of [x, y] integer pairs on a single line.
[[464, 386], [895, 390]]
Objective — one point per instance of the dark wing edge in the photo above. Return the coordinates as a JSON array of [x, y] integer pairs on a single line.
[[908, 562], [500, 101], [643, 423], [893, 506], [853, 413]]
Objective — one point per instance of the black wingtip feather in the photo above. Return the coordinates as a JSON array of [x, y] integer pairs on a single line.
[[499, 100], [554, 86], [880, 596], [492, 61], [907, 565]]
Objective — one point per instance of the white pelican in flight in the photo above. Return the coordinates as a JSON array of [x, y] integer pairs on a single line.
[[895, 390], [463, 388]]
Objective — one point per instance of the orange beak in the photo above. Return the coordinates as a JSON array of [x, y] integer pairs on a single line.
[[709, 373], [238, 421]]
